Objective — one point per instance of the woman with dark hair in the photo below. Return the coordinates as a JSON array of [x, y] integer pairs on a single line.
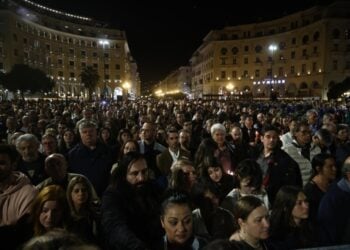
[[68, 141], [176, 219], [123, 136], [207, 151], [214, 174], [290, 226], [128, 146], [210, 221], [252, 224], [324, 173], [105, 137], [183, 176], [249, 182]]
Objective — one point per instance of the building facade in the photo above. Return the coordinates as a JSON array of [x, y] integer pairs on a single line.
[[177, 81], [299, 55], [63, 44]]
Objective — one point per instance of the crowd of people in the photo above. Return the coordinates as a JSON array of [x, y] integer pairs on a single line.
[[156, 174]]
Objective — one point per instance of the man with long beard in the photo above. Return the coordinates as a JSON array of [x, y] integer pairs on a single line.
[[131, 207]]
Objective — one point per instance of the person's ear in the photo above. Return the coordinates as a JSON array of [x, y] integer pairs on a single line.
[[162, 220], [240, 222]]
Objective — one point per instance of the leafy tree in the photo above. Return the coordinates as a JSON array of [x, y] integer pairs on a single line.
[[24, 78], [338, 89], [89, 78]]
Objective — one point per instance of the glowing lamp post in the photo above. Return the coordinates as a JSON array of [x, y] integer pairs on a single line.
[[272, 49], [126, 86], [229, 87]]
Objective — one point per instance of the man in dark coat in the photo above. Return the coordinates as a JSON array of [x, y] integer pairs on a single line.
[[91, 158], [131, 207], [278, 167]]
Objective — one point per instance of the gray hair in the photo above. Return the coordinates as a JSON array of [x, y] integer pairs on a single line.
[[27, 137], [86, 124], [217, 126], [311, 111]]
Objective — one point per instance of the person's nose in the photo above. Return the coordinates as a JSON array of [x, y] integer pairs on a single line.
[[181, 227], [266, 222], [140, 177]]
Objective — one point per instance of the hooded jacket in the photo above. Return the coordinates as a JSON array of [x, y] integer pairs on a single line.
[[16, 200]]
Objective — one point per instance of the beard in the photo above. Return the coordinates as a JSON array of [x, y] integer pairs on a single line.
[[139, 185], [139, 188]]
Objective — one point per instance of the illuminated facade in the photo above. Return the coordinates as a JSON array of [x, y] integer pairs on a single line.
[[177, 81], [62, 45], [300, 55]]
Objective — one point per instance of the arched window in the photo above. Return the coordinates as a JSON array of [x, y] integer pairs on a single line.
[[223, 51], [258, 48], [303, 85], [235, 50], [305, 39]]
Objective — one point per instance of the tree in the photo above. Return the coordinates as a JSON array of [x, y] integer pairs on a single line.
[[338, 89], [90, 78], [24, 78]]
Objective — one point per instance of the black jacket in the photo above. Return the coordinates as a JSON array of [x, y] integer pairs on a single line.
[[131, 220], [283, 170]]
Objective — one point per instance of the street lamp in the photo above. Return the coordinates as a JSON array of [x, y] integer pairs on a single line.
[[104, 43], [229, 87], [272, 49], [126, 86]]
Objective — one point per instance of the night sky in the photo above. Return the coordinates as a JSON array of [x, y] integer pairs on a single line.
[[163, 36]]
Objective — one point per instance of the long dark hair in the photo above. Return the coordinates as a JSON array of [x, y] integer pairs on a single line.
[[119, 175], [282, 222], [205, 152], [250, 169]]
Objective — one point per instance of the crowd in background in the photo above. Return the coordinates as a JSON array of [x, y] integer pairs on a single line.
[[174, 174]]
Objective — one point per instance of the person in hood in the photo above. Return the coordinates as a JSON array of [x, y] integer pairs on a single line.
[[16, 196]]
